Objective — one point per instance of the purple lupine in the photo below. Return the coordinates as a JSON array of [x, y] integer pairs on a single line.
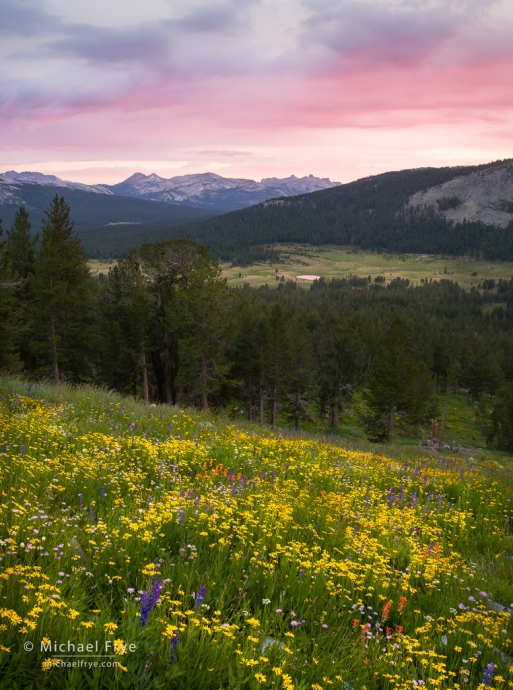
[[273, 477], [170, 427], [200, 596], [22, 449], [488, 674], [80, 499], [149, 599], [92, 516], [180, 515], [174, 644], [102, 494]]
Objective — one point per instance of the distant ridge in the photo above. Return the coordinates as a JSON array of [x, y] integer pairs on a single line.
[[53, 181], [202, 190], [208, 190], [461, 210], [96, 215], [454, 210]]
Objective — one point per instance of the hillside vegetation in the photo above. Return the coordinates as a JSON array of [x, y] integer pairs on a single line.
[[97, 216], [371, 213], [352, 351], [207, 556]]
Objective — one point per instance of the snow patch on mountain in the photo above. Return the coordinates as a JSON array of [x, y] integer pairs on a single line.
[[209, 190], [53, 181]]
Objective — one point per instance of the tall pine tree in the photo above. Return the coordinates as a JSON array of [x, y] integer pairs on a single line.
[[64, 294], [390, 384], [20, 255], [9, 321]]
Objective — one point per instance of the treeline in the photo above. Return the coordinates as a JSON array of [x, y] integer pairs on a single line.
[[163, 325], [371, 213]]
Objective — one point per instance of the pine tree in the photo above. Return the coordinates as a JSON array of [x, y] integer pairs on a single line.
[[245, 354], [279, 360], [20, 247], [9, 321], [390, 383], [501, 419], [301, 384], [64, 294], [20, 255], [340, 356], [127, 314], [202, 307]]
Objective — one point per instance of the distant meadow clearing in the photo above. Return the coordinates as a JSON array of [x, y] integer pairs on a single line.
[[340, 262], [174, 550]]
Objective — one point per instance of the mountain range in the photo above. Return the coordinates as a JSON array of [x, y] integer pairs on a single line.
[[452, 210], [204, 190], [461, 210]]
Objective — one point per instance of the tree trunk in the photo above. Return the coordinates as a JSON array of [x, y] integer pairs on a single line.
[[204, 396], [261, 415], [158, 375], [55, 360], [145, 374], [250, 400], [442, 428], [390, 424], [168, 370], [334, 413], [296, 418], [274, 410]]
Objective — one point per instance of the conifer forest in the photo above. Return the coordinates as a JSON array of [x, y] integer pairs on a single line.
[[163, 326]]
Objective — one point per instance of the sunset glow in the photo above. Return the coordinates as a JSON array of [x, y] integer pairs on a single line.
[[253, 88]]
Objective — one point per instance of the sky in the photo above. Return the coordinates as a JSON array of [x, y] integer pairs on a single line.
[[95, 91]]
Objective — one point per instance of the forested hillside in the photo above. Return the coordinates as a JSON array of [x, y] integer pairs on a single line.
[[163, 325], [372, 213], [95, 215]]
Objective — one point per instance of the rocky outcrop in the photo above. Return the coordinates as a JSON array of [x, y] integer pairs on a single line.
[[486, 196]]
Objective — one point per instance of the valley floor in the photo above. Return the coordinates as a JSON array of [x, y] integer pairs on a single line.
[[339, 262]]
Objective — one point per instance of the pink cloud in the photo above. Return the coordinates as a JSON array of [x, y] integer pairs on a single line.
[[208, 75]]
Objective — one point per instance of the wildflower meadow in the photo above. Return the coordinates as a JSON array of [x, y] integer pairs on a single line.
[[152, 547]]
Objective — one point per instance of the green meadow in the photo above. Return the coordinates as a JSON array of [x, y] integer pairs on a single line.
[[148, 547], [340, 262]]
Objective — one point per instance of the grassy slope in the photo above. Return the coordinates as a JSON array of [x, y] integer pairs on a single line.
[[415, 548]]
